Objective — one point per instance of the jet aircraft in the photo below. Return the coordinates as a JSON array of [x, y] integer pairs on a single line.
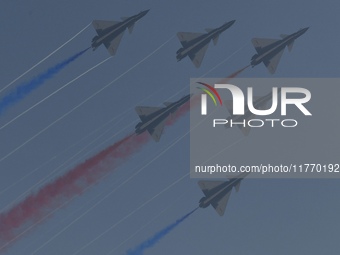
[[196, 44], [154, 118], [217, 193], [110, 33], [269, 51]]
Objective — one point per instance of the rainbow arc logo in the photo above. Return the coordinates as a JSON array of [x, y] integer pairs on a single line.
[[211, 91]]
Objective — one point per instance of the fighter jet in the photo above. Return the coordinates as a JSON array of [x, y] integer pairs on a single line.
[[259, 104], [269, 51], [110, 33], [217, 193], [196, 44], [154, 118]]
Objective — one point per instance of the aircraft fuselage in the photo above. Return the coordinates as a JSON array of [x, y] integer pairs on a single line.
[[270, 51], [220, 191], [157, 117], [115, 30], [198, 43]]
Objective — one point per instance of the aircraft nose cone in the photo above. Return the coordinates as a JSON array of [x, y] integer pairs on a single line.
[[305, 29], [145, 12], [229, 24]]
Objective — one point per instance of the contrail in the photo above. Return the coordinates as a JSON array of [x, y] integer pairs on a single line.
[[97, 137], [49, 175], [53, 93], [74, 182], [63, 165], [26, 88], [56, 170], [152, 241], [134, 175], [225, 60], [74, 189], [83, 102], [55, 210], [106, 194], [128, 215], [120, 185], [182, 110], [116, 187], [149, 243], [145, 225], [67, 192], [30, 69], [181, 178]]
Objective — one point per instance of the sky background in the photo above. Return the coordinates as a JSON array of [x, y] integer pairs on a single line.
[[265, 217]]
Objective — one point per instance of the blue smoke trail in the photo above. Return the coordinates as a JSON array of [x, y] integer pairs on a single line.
[[149, 243], [23, 90]]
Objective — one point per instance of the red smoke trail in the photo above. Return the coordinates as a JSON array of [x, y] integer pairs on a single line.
[[233, 75], [38, 206]]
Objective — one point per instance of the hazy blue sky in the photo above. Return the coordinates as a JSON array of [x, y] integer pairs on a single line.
[[265, 217]]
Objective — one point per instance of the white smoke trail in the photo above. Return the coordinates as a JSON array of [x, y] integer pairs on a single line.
[[49, 55], [82, 103]]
